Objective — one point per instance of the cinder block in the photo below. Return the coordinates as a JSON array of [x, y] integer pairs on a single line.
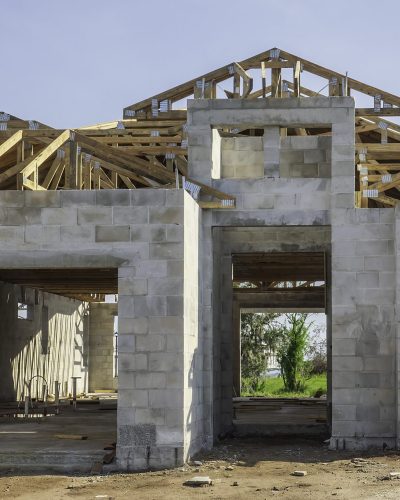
[[165, 398], [155, 416], [368, 279], [368, 413], [153, 268], [94, 215], [11, 235], [132, 362], [138, 325], [174, 306], [67, 216], [343, 412], [42, 198], [151, 305], [314, 156], [151, 381], [77, 234], [132, 286], [369, 380], [165, 286], [74, 198], [108, 234], [112, 197], [42, 235], [9, 198], [166, 324], [166, 215], [148, 197], [159, 251], [165, 362], [174, 233], [130, 215], [304, 170], [126, 344], [150, 343], [174, 198], [134, 398]]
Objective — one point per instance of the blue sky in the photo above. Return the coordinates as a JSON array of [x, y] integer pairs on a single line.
[[78, 62]]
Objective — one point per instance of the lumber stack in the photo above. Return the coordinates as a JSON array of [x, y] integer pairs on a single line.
[[279, 411]]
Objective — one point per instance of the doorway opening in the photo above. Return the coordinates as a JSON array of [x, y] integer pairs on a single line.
[[280, 343], [59, 387]]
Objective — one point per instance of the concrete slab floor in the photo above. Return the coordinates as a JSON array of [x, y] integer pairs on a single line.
[[32, 444]]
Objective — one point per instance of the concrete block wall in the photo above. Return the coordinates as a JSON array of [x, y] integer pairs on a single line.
[[242, 157], [196, 410], [141, 233], [233, 240], [30, 348], [102, 346], [364, 329], [305, 156]]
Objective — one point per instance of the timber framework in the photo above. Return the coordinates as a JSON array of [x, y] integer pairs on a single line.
[[148, 147]]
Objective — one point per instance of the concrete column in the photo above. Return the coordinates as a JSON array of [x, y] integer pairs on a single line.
[[272, 141]]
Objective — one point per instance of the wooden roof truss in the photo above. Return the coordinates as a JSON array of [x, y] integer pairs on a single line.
[[148, 147]]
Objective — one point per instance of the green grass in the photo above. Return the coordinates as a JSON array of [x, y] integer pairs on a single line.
[[273, 387]]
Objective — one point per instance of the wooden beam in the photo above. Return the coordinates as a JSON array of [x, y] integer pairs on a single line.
[[46, 153], [11, 142], [381, 112]]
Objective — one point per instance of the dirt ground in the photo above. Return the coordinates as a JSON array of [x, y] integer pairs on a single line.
[[240, 469]]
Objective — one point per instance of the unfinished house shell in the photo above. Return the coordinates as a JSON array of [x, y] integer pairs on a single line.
[[244, 174]]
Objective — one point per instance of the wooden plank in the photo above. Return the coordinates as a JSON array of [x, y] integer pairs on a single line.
[[118, 157], [46, 153], [34, 186], [381, 112], [10, 143], [57, 176], [52, 172]]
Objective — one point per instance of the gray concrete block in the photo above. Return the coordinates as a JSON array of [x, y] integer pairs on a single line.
[[76, 234], [368, 412], [130, 215], [112, 197], [94, 215], [42, 198], [174, 306], [165, 215], [165, 286], [154, 415], [174, 197], [165, 362], [314, 156], [160, 251], [148, 197], [74, 198], [20, 216], [133, 325], [107, 234], [132, 286], [150, 343], [165, 398], [42, 235], [10, 236], [9, 198], [59, 216], [131, 362], [152, 305], [166, 325]]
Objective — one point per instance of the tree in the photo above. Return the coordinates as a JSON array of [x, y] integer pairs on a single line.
[[260, 333], [291, 351]]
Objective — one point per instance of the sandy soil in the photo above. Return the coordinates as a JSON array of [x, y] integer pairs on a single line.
[[240, 469]]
